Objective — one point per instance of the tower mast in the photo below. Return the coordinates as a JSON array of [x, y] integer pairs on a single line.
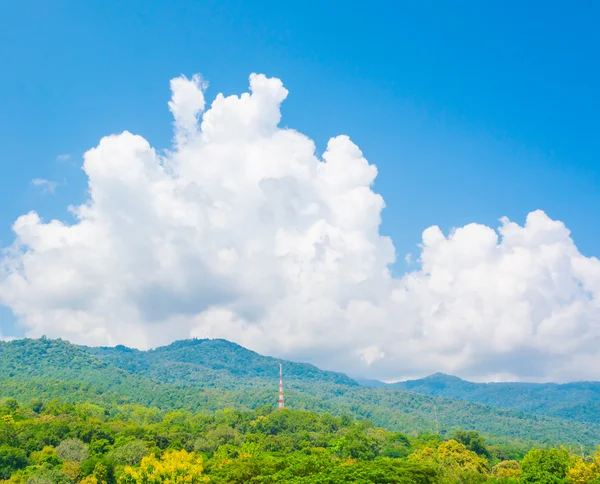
[[280, 407]]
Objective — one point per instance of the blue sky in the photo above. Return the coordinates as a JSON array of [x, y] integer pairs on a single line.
[[470, 110]]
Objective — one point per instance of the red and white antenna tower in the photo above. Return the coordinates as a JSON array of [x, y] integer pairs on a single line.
[[280, 388]]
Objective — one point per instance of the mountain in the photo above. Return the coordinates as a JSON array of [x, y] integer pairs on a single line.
[[208, 375], [573, 401], [215, 362], [365, 382]]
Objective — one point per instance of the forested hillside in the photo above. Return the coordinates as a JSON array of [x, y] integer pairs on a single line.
[[209, 375], [575, 401], [211, 362], [49, 442]]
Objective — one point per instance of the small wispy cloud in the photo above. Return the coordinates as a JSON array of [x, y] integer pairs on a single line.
[[63, 157], [46, 186]]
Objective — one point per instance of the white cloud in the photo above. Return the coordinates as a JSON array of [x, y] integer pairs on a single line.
[[63, 157], [242, 232], [371, 354], [46, 186]]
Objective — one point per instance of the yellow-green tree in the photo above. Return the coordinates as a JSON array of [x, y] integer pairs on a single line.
[[455, 461], [98, 477], [507, 469], [582, 472], [456, 455], [424, 455], [174, 467], [89, 480]]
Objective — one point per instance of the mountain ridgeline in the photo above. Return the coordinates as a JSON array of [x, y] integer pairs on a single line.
[[211, 362], [209, 375], [574, 401]]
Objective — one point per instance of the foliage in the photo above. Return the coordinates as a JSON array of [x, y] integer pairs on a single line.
[[545, 466], [455, 455], [208, 375], [72, 450], [48, 442], [130, 453], [507, 469], [574, 401], [584, 472], [473, 441], [175, 467], [11, 459]]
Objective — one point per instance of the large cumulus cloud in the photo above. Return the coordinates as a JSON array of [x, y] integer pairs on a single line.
[[240, 231]]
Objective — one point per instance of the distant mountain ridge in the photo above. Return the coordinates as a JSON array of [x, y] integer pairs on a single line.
[[575, 401], [208, 375], [184, 359]]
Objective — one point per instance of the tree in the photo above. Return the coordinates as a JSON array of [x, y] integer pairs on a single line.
[[89, 480], [473, 441], [582, 472], [72, 450], [130, 454], [243, 465], [8, 431], [100, 473], [72, 469], [381, 471], [356, 444], [37, 405], [48, 476], [456, 455], [396, 445], [425, 455], [507, 469], [541, 466], [174, 467], [47, 455], [11, 459], [213, 439], [10, 405]]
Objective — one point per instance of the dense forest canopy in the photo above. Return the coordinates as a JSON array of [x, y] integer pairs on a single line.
[[201, 411], [209, 375], [55, 442]]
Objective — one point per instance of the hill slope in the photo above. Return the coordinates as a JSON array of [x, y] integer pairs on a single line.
[[215, 362], [206, 375], [574, 401]]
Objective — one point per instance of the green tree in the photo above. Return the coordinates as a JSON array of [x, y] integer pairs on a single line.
[[11, 459], [545, 466], [47, 456], [356, 444], [473, 441], [213, 439], [47, 476], [130, 453]]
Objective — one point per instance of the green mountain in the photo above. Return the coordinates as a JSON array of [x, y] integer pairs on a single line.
[[217, 363], [573, 401], [207, 375]]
